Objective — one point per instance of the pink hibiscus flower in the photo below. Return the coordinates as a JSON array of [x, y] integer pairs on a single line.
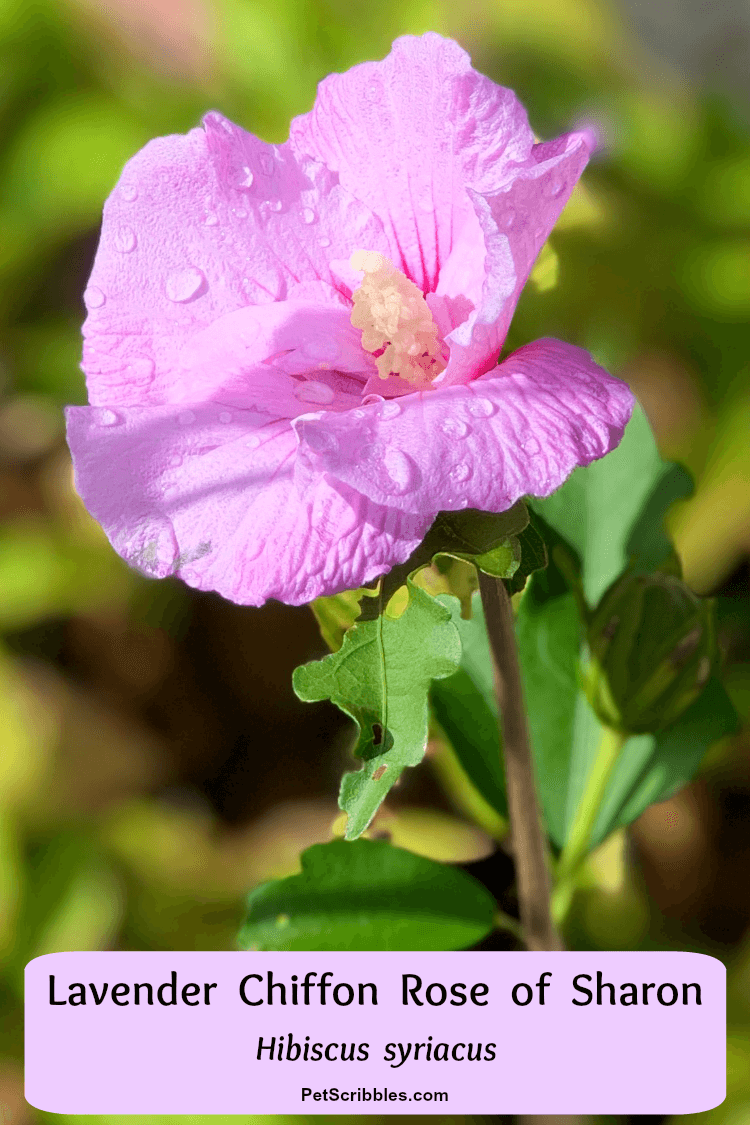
[[291, 350]]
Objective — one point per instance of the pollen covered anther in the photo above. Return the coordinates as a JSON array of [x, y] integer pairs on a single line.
[[395, 321]]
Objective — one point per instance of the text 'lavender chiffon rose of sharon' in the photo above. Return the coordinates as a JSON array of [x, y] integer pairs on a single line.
[[291, 350]]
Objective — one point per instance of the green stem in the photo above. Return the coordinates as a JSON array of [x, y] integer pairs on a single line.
[[579, 840]]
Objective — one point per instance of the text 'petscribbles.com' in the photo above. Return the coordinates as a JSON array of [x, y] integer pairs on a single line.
[[362, 1094]]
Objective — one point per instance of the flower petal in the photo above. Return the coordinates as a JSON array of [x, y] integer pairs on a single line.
[[198, 227], [209, 496], [519, 430]]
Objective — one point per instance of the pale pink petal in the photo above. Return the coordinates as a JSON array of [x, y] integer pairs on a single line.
[[198, 227], [520, 430], [209, 495]]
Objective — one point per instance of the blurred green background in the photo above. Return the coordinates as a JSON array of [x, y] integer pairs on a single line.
[[154, 763]]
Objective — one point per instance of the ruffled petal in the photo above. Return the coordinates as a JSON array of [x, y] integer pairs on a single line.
[[198, 227], [209, 496], [520, 430]]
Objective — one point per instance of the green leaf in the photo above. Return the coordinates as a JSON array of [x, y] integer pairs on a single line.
[[465, 707], [652, 768], [364, 896], [335, 615], [598, 505], [648, 544], [381, 677], [533, 555], [484, 538]]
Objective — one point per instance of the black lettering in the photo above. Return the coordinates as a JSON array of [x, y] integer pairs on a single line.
[[660, 998], [275, 984], [390, 1052], [330, 1047], [406, 991], [373, 993], [417, 1048], [317, 1052], [243, 982], [266, 1047], [97, 998], [441, 1052], [697, 988], [363, 1052], [453, 1052], [52, 993], [442, 993], [137, 991], [489, 1052], [172, 986], [479, 990], [76, 998], [459, 994], [580, 988], [190, 990], [121, 990], [306, 1091], [628, 998], [478, 1055], [645, 992], [529, 994], [207, 993], [350, 993], [601, 984], [350, 1056]]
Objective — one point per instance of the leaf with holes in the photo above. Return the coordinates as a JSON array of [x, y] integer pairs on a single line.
[[381, 677]]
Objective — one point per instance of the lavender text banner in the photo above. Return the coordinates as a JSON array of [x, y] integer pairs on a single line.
[[306, 1033]]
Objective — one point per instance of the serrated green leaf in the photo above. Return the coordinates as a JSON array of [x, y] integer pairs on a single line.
[[368, 895], [465, 707], [381, 677]]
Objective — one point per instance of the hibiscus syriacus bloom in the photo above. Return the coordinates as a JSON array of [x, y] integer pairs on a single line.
[[291, 350]]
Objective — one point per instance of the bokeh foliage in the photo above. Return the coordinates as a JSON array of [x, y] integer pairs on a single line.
[[648, 268]]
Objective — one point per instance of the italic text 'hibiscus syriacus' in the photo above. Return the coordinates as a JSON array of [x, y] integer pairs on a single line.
[[291, 350]]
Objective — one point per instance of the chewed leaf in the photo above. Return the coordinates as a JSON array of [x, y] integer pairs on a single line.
[[381, 677], [368, 895]]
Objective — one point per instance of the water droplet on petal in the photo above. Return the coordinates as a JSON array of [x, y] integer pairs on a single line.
[[175, 460], [460, 472], [94, 297], [481, 407], [126, 240], [319, 439], [313, 391], [129, 192], [371, 400], [225, 417], [390, 409], [186, 285], [531, 446], [108, 417], [275, 205], [253, 442], [140, 370], [454, 427], [309, 215], [324, 242], [186, 417], [211, 220], [188, 575], [246, 178], [401, 471]]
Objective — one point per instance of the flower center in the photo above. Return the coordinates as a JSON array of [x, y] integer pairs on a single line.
[[396, 322]]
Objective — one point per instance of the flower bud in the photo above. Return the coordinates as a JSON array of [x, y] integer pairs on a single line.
[[652, 646]]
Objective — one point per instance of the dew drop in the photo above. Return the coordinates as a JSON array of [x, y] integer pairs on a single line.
[[531, 446], [481, 407], [253, 442], [140, 371], [371, 400], [313, 391], [188, 575], [390, 409], [275, 205], [185, 285], [401, 471], [129, 193], [460, 472], [324, 242], [175, 460], [454, 427], [186, 417], [309, 215], [211, 220], [94, 297], [125, 240], [246, 178], [225, 417], [108, 417]]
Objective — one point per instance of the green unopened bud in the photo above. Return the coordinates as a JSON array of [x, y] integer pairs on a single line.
[[653, 648]]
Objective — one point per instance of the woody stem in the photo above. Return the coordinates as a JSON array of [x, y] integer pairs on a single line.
[[528, 837]]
